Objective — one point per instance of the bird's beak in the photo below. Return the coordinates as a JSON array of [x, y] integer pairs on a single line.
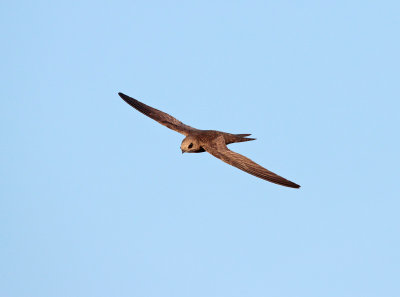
[[182, 151]]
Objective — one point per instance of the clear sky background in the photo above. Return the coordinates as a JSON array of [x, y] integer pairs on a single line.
[[97, 199]]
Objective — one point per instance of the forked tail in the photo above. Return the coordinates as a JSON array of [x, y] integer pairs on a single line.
[[241, 138]]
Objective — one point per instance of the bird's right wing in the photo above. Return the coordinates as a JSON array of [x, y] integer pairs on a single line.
[[218, 148], [159, 116]]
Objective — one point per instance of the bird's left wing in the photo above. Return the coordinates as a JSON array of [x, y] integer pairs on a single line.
[[218, 148], [159, 116]]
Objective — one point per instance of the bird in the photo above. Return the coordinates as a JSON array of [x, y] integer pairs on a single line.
[[211, 141]]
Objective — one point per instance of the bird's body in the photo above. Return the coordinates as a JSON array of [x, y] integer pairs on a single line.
[[205, 136], [211, 141]]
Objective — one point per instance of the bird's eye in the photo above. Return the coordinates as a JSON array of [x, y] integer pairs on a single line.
[[190, 145]]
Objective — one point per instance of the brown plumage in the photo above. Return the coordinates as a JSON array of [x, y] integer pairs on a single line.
[[213, 142]]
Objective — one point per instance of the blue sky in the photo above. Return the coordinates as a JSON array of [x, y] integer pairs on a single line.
[[97, 199]]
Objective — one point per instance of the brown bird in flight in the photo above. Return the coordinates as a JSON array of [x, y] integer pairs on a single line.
[[213, 142]]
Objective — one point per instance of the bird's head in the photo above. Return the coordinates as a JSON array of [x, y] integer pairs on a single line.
[[190, 145]]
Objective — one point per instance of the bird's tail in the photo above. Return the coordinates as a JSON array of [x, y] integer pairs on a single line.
[[242, 137]]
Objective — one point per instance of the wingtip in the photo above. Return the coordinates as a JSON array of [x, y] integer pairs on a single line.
[[126, 98], [290, 184], [296, 186]]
